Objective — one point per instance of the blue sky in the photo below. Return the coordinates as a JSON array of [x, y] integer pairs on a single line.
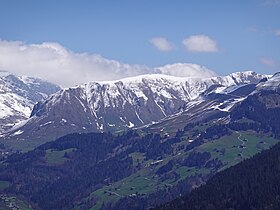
[[245, 33]]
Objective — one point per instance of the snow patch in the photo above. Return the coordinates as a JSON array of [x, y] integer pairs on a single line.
[[139, 117], [156, 162], [122, 119], [63, 120], [17, 133], [99, 127], [47, 123], [227, 104], [130, 125], [161, 109], [18, 125]]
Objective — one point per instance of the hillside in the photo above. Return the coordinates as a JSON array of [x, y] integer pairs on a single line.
[[251, 184], [90, 170]]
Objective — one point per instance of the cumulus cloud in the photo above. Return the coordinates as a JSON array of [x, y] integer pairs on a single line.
[[162, 44], [268, 62], [200, 43], [55, 63], [186, 70]]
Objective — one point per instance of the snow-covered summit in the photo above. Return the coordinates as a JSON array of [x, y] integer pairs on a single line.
[[188, 88], [247, 76], [119, 92], [18, 94]]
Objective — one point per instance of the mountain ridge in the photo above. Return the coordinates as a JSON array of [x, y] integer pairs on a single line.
[[119, 105]]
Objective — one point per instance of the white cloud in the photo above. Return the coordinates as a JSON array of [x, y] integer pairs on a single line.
[[162, 44], [186, 70], [53, 62], [200, 43], [277, 32], [268, 62]]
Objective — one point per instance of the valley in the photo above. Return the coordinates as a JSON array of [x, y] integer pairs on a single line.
[[156, 168]]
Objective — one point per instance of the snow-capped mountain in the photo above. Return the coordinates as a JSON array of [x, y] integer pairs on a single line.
[[121, 104], [218, 103], [18, 94], [273, 83]]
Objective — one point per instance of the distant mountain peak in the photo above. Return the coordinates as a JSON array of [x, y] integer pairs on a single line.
[[247, 76], [18, 94]]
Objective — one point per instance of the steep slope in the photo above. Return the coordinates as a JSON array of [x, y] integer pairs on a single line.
[[262, 106], [18, 94], [252, 184], [119, 105]]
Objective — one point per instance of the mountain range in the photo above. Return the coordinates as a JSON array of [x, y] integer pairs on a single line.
[[170, 136], [124, 104], [134, 143]]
